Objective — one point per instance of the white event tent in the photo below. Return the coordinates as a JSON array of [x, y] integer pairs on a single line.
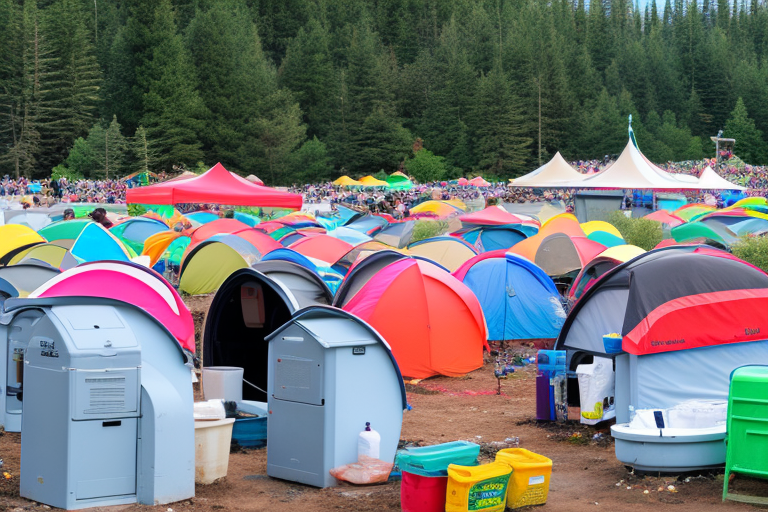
[[555, 173], [631, 171]]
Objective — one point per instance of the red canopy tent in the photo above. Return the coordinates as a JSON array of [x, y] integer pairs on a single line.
[[218, 186]]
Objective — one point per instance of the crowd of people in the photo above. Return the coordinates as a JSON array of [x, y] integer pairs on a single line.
[[48, 191]]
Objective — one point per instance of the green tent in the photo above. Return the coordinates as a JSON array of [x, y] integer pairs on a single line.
[[399, 182], [64, 229]]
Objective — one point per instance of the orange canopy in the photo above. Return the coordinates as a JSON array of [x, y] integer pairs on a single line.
[[432, 321]]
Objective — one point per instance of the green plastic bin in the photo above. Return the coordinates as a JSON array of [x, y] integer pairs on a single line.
[[747, 429]]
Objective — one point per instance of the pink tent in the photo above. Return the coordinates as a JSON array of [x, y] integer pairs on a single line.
[[491, 216], [463, 182], [218, 186], [665, 217], [130, 283], [478, 181]]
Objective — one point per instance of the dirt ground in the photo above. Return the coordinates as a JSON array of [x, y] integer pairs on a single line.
[[585, 476]]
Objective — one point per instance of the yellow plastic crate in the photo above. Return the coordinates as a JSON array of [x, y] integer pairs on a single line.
[[477, 488], [529, 483]]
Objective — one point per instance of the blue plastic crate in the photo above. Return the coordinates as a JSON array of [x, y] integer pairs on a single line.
[[612, 345]]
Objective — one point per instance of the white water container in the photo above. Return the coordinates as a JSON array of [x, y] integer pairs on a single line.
[[368, 442], [224, 382], [212, 440]]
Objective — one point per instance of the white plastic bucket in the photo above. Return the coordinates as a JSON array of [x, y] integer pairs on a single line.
[[224, 382], [212, 440]]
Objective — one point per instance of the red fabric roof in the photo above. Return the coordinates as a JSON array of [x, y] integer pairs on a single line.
[[218, 186], [665, 217], [323, 247], [491, 216]]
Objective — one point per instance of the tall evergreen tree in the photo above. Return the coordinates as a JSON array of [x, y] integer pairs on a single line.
[[72, 95], [499, 127], [234, 80], [750, 145], [172, 108]]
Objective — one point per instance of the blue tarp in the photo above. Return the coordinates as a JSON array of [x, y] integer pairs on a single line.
[[519, 300]]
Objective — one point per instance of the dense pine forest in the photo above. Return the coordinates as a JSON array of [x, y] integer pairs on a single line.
[[301, 90]]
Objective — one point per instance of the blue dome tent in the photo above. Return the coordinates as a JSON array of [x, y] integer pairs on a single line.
[[519, 301]]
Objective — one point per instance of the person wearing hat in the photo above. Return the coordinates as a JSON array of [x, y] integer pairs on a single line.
[[69, 214], [100, 215]]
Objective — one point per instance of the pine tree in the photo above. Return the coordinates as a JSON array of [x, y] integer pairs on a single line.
[[274, 135], [307, 70], [750, 145], [234, 77], [499, 127], [71, 96], [173, 110], [24, 69], [142, 152]]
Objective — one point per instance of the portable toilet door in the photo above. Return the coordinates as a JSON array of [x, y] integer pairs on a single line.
[[14, 336], [330, 373]]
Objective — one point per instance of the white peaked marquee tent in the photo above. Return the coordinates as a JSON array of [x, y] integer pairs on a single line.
[[710, 180], [555, 173]]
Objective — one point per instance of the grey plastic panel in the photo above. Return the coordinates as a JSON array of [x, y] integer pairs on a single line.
[[299, 379], [298, 435], [105, 464], [105, 393], [82, 318], [337, 332]]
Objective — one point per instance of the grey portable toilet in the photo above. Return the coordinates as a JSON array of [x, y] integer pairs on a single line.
[[329, 374], [251, 304], [108, 415]]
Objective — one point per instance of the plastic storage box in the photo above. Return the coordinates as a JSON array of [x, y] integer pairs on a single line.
[[477, 488], [425, 473], [434, 460], [529, 483]]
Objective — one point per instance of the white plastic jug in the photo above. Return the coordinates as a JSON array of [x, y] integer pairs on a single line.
[[368, 442]]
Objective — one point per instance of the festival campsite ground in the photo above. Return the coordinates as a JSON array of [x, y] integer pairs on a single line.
[[586, 474]]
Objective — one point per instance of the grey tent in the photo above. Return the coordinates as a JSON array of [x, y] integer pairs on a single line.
[[397, 235], [20, 280]]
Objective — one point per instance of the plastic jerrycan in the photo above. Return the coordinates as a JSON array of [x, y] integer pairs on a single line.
[[369, 442], [477, 488]]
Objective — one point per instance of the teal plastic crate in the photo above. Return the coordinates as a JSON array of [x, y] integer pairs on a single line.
[[434, 460]]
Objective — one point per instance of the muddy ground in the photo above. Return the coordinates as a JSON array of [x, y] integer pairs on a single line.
[[586, 474]]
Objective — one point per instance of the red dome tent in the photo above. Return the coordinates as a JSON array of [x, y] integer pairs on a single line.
[[217, 185], [432, 321]]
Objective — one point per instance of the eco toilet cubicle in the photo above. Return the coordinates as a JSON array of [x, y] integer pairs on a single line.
[[107, 403], [325, 372]]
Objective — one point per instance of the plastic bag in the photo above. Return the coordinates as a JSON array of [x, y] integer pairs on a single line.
[[366, 470], [596, 390]]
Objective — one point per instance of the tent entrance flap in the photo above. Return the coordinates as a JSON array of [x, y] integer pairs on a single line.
[[243, 313]]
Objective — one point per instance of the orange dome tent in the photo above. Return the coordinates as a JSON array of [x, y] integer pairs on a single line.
[[432, 321]]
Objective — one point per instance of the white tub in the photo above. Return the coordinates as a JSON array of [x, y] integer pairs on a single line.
[[670, 449], [212, 440]]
